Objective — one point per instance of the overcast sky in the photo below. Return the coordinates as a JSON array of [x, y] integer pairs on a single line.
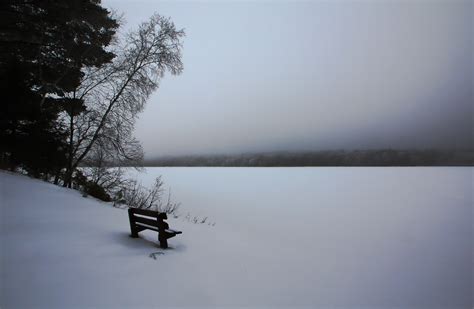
[[312, 75]]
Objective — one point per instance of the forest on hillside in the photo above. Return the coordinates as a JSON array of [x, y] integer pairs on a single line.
[[386, 157]]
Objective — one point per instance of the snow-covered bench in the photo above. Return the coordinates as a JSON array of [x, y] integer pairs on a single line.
[[141, 219]]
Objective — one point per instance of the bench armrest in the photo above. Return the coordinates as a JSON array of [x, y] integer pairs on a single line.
[[172, 231]]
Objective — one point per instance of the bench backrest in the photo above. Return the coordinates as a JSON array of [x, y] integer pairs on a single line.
[[148, 217]]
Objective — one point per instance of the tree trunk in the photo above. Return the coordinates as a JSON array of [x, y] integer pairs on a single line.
[[68, 178]]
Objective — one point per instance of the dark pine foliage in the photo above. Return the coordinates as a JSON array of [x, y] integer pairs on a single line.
[[43, 47]]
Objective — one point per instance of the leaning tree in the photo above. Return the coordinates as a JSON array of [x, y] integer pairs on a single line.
[[116, 92]]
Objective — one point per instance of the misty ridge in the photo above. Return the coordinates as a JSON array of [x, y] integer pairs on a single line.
[[381, 157]]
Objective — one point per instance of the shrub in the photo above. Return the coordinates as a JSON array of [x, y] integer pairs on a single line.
[[97, 191], [89, 187], [137, 196]]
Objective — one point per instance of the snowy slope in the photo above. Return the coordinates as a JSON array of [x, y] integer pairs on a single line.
[[310, 237]]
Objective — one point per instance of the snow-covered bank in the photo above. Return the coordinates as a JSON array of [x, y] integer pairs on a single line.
[[366, 237]]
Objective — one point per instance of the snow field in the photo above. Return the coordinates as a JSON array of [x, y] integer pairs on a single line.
[[317, 237]]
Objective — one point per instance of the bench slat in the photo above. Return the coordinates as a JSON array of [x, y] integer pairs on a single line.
[[147, 227], [145, 212], [151, 222]]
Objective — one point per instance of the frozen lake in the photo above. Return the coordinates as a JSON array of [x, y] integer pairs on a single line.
[[345, 236]]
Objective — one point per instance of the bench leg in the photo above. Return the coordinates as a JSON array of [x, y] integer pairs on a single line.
[[133, 227], [133, 233], [163, 242]]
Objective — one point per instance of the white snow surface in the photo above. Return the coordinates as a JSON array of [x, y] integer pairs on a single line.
[[287, 237]]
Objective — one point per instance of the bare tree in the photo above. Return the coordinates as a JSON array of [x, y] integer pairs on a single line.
[[136, 196], [116, 92], [101, 173]]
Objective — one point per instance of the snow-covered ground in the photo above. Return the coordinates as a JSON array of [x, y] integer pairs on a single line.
[[316, 237]]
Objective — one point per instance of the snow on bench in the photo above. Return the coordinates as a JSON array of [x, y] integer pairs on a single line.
[[141, 219]]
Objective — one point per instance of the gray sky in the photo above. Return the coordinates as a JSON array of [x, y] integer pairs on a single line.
[[312, 75]]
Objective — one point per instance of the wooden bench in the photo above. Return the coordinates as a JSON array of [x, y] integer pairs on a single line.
[[141, 219]]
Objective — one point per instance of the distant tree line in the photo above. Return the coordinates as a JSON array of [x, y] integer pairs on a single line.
[[72, 88], [384, 157]]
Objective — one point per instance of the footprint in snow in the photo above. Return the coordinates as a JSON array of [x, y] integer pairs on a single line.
[[154, 255]]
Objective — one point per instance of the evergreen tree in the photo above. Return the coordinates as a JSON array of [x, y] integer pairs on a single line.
[[44, 45]]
